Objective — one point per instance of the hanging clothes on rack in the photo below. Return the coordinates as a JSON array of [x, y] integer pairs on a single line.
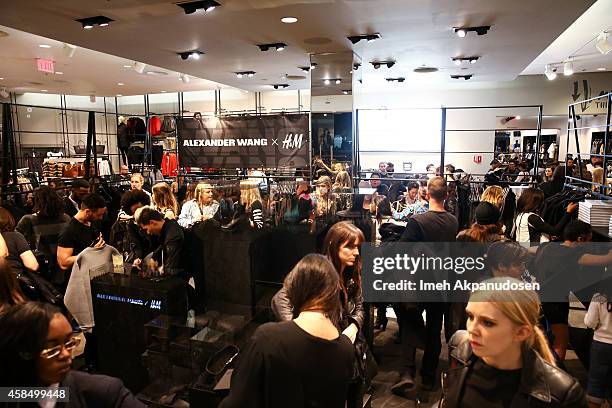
[[169, 166], [155, 125]]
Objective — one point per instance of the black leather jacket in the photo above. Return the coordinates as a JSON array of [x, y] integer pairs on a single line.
[[283, 310], [542, 385]]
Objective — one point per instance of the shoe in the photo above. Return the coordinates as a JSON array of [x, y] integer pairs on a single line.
[[405, 388]]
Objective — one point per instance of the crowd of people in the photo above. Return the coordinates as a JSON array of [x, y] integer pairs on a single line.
[[506, 348]]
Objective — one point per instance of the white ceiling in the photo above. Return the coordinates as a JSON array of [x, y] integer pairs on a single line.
[[579, 41], [415, 33], [87, 72]]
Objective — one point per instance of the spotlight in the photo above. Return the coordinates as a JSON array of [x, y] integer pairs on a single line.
[[462, 31], [399, 79], [602, 43], [139, 67], [69, 50], [313, 65], [338, 81], [466, 77], [367, 37], [193, 6], [378, 64], [346, 92], [327, 82], [277, 86], [278, 46], [242, 74], [190, 54], [184, 78], [90, 22], [550, 72], [3, 93], [459, 60], [568, 68]]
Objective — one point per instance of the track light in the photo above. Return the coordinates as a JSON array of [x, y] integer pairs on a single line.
[[462, 31], [277, 86], [459, 60], [378, 64], [69, 50], [277, 46], [249, 74], [568, 68], [367, 37], [190, 54], [466, 77], [139, 67], [338, 81], [193, 6], [346, 92], [550, 72], [602, 44], [185, 78], [327, 82], [399, 79], [90, 22], [3, 93]]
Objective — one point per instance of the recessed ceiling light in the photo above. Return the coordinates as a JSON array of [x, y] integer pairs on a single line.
[[59, 73], [1, 79], [599, 69], [120, 83], [119, 95], [289, 20], [163, 91], [327, 82], [127, 66], [44, 46], [43, 90]]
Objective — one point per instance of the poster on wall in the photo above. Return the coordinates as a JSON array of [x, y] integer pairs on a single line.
[[244, 141]]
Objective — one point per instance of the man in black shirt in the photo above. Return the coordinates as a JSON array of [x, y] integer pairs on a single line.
[[81, 231], [435, 225], [171, 238], [72, 202]]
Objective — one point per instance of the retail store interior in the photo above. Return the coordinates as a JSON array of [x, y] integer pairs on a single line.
[[195, 195]]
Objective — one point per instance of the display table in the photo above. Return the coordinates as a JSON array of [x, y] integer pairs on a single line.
[[123, 304]]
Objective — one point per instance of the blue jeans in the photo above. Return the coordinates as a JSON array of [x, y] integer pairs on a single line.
[[600, 372]]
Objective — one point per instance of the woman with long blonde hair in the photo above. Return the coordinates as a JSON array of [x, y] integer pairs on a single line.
[[493, 195], [164, 201], [504, 355], [201, 208], [250, 198]]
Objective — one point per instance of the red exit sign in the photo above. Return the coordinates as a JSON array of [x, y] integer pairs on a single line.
[[45, 65]]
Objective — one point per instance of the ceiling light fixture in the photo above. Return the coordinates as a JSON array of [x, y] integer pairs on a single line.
[[367, 37], [327, 81], [599, 69], [43, 90], [399, 79], [278, 46], [568, 68], [59, 73], [90, 22], [277, 86], [602, 44], [338, 81], [356, 66], [346, 91], [120, 83], [462, 31], [119, 95], [193, 6], [139, 67], [550, 71], [127, 66], [195, 54], [289, 20], [459, 60], [44, 46], [466, 77], [249, 74], [163, 91], [378, 64], [185, 78]]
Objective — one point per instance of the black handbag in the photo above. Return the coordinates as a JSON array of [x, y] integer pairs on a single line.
[[365, 367], [37, 288]]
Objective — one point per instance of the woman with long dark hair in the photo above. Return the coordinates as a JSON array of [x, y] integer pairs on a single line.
[[10, 293], [303, 362], [341, 247], [529, 227], [36, 345]]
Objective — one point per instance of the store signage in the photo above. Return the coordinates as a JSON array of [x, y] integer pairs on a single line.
[[477, 159], [244, 141], [45, 65]]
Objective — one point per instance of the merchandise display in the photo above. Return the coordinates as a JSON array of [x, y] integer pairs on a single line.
[[317, 214]]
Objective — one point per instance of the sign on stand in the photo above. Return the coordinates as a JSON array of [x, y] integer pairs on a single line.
[[244, 141]]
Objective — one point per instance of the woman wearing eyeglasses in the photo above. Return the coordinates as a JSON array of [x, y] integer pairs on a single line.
[[36, 351]]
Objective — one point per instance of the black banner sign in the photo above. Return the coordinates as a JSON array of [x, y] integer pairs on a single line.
[[246, 141]]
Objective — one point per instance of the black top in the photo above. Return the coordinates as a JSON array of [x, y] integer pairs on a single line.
[[48, 228], [172, 239], [486, 386], [431, 226], [257, 214], [17, 245], [77, 236], [537, 226], [284, 366], [557, 270]]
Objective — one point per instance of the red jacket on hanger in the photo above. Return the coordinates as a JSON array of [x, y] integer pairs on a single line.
[[169, 165], [155, 126]]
